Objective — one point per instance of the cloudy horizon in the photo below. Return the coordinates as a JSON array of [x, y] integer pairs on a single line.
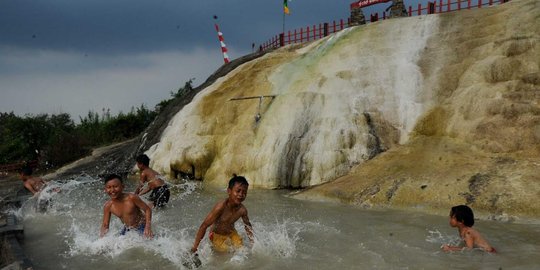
[[61, 56]]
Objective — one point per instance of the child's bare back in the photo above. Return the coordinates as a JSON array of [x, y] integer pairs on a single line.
[[31, 183], [470, 235]]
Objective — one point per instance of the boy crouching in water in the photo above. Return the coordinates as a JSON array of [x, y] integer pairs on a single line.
[[126, 206], [462, 217], [31, 183], [36, 185], [225, 213], [160, 190]]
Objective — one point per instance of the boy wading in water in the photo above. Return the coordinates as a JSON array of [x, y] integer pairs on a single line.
[[225, 213], [31, 183], [36, 185], [160, 191], [126, 206], [462, 217]]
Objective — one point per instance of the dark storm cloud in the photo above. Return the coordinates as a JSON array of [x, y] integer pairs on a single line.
[[122, 26], [102, 26], [76, 55]]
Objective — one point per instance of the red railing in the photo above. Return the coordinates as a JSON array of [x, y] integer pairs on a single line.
[[321, 30], [301, 35]]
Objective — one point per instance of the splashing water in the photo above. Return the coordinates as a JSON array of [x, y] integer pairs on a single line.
[[289, 234]]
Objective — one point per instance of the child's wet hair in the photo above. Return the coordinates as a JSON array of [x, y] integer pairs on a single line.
[[143, 159], [26, 170], [237, 179], [463, 214], [112, 176]]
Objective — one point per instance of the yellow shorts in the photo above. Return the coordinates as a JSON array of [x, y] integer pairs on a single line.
[[226, 243]]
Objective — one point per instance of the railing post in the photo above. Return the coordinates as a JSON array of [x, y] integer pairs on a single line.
[[468, 4], [325, 31], [490, 2], [479, 3], [410, 11], [307, 33], [295, 36], [419, 9], [301, 35], [440, 6], [289, 37], [281, 39], [459, 5], [341, 24], [431, 7], [448, 6]]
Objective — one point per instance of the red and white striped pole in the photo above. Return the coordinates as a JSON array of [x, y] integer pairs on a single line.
[[223, 47]]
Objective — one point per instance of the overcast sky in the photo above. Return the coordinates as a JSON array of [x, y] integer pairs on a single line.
[[72, 56]]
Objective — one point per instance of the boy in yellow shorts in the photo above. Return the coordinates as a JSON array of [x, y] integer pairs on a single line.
[[223, 235]]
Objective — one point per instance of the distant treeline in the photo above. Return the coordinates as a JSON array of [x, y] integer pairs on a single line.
[[55, 140]]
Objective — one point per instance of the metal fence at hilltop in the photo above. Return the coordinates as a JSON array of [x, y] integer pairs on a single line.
[[318, 31]]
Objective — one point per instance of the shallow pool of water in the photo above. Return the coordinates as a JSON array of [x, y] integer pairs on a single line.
[[290, 234]]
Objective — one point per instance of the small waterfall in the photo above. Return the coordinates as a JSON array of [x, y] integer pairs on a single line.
[[315, 129]]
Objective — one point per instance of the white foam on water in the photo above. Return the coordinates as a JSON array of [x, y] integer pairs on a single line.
[[436, 237]]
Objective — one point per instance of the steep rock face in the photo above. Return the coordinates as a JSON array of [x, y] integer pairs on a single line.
[[338, 102], [479, 143], [453, 99]]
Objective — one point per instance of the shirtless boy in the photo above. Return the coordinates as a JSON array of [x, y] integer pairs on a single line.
[[36, 185], [33, 184], [462, 217], [225, 213], [126, 206], [160, 191]]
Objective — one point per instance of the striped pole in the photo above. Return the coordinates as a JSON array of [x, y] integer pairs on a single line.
[[223, 47]]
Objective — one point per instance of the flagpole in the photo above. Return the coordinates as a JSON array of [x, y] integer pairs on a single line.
[[222, 42], [283, 23]]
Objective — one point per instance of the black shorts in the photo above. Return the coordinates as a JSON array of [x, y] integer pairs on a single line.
[[160, 196]]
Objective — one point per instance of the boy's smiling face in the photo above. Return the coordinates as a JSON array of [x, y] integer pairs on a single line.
[[238, 193], [114, 188]]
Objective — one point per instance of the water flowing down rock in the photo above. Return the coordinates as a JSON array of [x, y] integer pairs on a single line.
[[412, 112]]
